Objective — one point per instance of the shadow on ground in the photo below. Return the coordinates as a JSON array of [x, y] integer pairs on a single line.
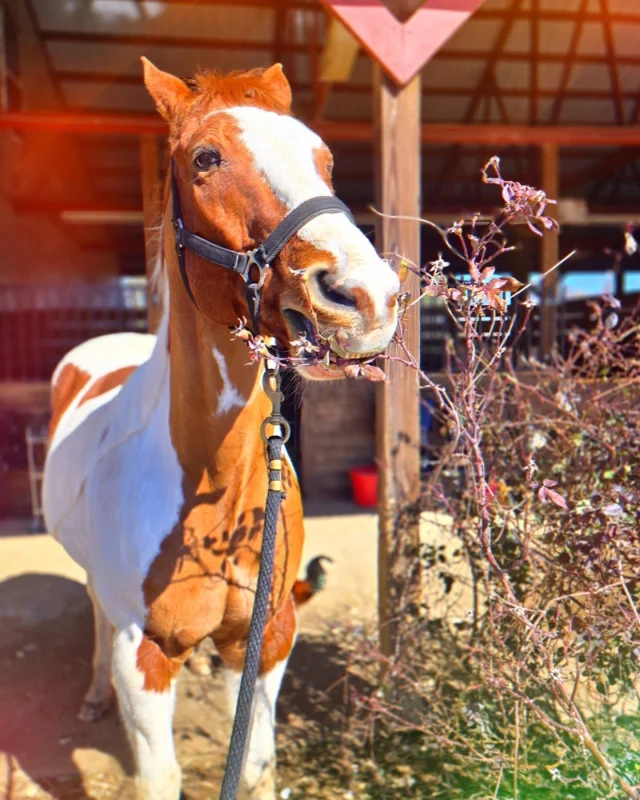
[[45, 668], [45, 658]]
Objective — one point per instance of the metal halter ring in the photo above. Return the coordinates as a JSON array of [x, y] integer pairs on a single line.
[[261, 264], [276, 419]]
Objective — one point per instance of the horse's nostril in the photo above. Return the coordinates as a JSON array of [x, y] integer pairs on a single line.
[[334, 292]]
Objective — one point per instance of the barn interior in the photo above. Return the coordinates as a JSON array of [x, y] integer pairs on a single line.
[[550, 86]]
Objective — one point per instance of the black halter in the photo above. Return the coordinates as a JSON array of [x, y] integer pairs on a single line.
[[252, 266]]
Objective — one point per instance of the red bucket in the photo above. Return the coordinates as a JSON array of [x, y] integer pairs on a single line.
[[364, 484]]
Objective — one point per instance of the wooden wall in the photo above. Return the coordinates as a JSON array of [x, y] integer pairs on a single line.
[[337, 433]]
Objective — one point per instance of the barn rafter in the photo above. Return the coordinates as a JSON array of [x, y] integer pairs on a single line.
[[513, 66]]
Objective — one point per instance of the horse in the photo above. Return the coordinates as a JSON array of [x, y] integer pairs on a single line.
[[156, 474]]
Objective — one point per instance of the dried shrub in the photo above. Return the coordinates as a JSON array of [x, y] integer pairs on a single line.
[[517, 677]]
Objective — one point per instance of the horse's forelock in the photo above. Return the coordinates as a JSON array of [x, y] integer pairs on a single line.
[[237, 89]]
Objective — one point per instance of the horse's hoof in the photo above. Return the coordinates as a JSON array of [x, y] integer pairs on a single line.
[[199, 665], [93, 710]]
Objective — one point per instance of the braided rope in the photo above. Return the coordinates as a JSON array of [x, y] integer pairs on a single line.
[[242, 720]]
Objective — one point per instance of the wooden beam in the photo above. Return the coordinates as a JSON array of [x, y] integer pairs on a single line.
[[340, 53], [567, 66], [335, 65], [57, 207], [548, 15], [101, 217], [561, 15], [609, 39], [491, 89], [550, 251], [269, 5], [151, 206], [182, 42], [398, 413], [343, 131], [134, 124]]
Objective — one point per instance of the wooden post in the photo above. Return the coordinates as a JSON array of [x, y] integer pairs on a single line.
[[151, 201], [550, 253], [400, 36], [397, 413]]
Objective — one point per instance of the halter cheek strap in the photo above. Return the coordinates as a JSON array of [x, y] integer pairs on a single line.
[[252, 265]]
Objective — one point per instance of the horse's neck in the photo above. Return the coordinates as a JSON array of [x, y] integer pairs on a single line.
[[216, 402]]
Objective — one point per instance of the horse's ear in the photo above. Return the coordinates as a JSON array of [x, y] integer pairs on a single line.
[[170, 94], [278, 86]]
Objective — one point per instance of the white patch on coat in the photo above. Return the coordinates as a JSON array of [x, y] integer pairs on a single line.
[[158, 280], [98, 357], [113, 484], [148, 718], [105, 354], [283, 149], [229, 396], [260, 760], [112, 493]]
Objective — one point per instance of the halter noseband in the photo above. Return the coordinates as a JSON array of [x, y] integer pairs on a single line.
[[260, 258]]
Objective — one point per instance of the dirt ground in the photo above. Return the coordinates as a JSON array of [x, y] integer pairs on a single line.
[[45, 656]]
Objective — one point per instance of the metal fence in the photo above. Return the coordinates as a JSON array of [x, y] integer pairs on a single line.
[[437, 325], [40, 323]]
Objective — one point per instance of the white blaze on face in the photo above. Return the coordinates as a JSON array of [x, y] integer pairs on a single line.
[[283, 149]]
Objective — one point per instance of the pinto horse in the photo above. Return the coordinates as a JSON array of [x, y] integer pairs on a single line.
[[156, 474]]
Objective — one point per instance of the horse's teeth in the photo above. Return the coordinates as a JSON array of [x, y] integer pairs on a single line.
[[340, 351]]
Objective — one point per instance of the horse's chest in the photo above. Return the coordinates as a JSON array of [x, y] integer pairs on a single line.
[[203, 578]]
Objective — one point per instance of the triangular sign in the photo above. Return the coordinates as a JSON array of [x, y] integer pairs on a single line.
[[402, 49]]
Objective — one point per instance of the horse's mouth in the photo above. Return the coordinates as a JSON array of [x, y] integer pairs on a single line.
[[318, 357]]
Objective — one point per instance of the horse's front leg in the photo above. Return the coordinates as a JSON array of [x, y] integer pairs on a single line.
[[259, 775], [145, 683]]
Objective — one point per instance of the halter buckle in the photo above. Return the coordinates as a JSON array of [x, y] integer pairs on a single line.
[[178, 227], [254, 258]]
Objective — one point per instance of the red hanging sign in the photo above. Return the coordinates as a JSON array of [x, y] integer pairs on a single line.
[[402, 48]]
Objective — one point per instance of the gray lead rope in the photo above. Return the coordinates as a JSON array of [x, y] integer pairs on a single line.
[[242, 719]]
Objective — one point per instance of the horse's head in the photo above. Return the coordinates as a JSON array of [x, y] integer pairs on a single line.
[[241, 163]]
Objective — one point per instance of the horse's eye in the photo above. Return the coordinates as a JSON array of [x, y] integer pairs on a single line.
[[207, 159]]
